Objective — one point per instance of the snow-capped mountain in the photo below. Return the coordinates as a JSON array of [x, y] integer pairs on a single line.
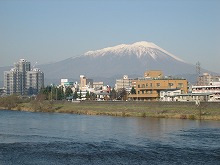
[[113, 62], [139, 49], [131, 59]]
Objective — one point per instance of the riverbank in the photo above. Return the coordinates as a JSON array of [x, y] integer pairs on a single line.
[[180, 110]]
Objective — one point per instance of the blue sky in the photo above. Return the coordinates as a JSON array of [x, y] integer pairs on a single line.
[[46, 31]]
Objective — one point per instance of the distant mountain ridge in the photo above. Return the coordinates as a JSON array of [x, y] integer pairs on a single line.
[[114, 62]]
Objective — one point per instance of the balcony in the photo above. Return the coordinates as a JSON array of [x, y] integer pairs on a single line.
[[145, 95], [157, 87]]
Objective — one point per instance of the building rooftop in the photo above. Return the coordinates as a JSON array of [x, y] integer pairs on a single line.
[[162, 78]]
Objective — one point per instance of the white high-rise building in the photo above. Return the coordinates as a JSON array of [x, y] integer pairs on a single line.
[[13, 82], [35, 81], [22, 80]]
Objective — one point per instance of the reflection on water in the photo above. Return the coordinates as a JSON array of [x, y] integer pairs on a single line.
[[49, 138]]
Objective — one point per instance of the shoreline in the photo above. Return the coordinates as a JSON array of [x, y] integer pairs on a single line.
[[176, 110]]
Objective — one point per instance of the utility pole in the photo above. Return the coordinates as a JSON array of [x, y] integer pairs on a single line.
[[51, 94], [199, 107], [56, 93], [198, 71]]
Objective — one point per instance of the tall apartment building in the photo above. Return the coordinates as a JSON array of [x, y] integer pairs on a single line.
[[13, 82], [34, 81], [22, 80]]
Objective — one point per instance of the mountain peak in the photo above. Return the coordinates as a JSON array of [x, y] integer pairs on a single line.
[[145, 44], [139, 49]]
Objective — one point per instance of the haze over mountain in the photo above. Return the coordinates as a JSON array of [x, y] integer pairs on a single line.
[[113, 62]]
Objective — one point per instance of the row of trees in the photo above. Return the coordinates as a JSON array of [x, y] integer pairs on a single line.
[[57, 93]]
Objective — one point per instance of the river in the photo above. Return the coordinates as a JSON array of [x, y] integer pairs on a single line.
[[53, 138]]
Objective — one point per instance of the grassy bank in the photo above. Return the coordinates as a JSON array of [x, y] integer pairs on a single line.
[[181, 110]]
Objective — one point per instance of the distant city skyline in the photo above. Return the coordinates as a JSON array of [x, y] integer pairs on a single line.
[[50, 31]]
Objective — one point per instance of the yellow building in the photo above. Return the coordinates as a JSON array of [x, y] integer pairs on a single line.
[[153, 74], [149, 88]]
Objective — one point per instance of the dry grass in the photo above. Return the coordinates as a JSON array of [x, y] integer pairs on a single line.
[[181, 110]]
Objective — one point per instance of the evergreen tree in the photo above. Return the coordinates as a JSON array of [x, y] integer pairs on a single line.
[[68, 92], [60, 93], [75, 95], [133, 91], [87, 95], [92, 96], [113, 94], [80, 94]]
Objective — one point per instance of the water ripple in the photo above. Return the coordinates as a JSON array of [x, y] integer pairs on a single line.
[[106, 152]]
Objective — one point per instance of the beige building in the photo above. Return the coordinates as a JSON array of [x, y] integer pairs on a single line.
[[153, 74], [125, 83], [207, 79], [85, 82], [149, 88]]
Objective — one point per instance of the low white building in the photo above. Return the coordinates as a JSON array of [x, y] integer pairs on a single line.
[[66, 83], [98, 85], [206, 89], [212, 90], [102, 95], [209, 92], [170, 95], [81, 95], [194, 97]]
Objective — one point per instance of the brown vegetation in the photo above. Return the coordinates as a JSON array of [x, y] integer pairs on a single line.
[[181, 110], [11, 102]]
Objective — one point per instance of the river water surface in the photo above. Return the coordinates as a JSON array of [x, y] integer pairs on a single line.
[[52, 138]]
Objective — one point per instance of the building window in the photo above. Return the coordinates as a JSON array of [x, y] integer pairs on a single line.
[[180, 85], [151, 85], [143, 86], [158, 84], [138, 92], [170, 84], [142, 92], [138, 86], [147, 85]]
